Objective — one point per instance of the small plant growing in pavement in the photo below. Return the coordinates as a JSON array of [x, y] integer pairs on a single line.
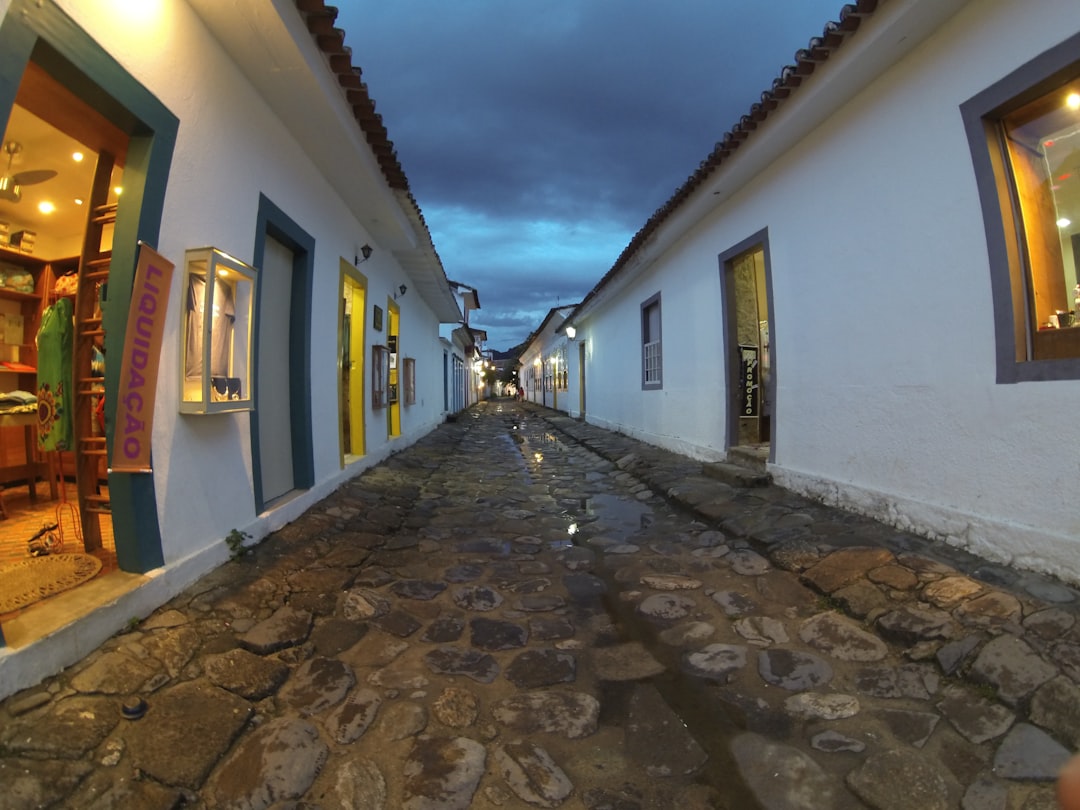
[[235, 540]]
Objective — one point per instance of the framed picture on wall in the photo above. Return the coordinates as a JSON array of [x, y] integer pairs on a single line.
[[377, 319]]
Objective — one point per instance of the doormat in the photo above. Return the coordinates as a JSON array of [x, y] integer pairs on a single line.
[[27, 581]]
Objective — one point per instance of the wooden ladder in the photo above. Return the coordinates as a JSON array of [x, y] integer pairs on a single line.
[[90, 448]]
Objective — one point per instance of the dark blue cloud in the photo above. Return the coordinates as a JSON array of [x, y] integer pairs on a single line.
[[539, 137]]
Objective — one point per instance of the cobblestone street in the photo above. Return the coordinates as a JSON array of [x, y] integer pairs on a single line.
[[522, 610]]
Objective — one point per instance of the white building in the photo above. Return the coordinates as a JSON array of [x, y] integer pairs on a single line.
[[242, 126], [462, 348], [544, 372], [870, 277]]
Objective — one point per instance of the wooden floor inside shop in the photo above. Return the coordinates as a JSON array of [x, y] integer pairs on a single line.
[[25, 517]]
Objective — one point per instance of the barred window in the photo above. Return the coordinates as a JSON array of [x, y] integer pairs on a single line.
[[651, 355]]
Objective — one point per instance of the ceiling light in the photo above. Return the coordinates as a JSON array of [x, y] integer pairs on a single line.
[[1064, 222], [77, 157], [78, 201], [1073, 101], [46, 207], [119, 190]]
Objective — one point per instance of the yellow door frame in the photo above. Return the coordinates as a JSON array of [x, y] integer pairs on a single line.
[[393, 409], [352, 283]]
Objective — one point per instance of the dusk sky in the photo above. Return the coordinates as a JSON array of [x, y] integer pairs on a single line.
[[538, 137]]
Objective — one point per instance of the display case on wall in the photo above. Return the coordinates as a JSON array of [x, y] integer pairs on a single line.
[[215, 352]]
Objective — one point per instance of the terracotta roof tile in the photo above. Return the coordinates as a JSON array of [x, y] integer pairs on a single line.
[[320, 19], [791, 77]]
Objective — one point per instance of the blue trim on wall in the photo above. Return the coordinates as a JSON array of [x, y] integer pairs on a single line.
[[272, 221]]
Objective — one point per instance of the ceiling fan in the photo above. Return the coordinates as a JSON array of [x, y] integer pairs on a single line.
[[11, 184]]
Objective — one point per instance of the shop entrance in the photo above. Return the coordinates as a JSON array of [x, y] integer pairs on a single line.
[[56, 233], [393, 400], [748, 352]]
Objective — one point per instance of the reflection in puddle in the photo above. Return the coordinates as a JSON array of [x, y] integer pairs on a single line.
[[614, 513]]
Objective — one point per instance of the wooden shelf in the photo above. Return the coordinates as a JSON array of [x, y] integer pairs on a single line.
[[20, 258], [15, 295]]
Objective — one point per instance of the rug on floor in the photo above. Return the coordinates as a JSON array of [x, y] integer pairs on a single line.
[[27, 581]]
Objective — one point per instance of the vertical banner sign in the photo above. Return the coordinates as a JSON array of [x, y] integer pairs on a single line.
[[748, 380], [139, 364]]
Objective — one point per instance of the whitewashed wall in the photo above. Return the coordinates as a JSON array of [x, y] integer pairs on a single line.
[[883, 333], [230, 148]]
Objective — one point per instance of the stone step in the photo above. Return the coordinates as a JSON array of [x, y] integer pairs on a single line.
[[736, 475], [751, 456]]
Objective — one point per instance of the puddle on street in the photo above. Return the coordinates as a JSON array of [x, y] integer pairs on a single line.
[[616, 513], [712, 717]]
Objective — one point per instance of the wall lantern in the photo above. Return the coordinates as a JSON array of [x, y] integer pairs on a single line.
[[571, 332], [366, 252]]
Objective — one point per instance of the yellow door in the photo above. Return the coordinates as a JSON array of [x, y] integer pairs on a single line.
[[353, 292]]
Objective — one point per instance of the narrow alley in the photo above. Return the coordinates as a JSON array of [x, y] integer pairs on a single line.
[[523, 610]]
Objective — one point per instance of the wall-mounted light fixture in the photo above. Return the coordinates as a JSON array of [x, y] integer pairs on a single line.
[[366, 252], [571, 332], [400, 292]]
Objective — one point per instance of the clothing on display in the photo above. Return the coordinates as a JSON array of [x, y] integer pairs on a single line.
[[54, 380], [223, 316]]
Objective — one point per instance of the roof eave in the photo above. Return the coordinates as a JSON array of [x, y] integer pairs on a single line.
[[801, 97]]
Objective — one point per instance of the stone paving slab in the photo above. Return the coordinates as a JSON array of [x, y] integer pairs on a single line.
[[523, 610]]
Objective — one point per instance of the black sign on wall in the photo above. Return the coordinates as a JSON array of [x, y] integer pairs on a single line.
[[749, 391]]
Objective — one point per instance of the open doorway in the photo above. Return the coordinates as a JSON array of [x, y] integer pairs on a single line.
[[748, 352], [393, 400], [62, 178]]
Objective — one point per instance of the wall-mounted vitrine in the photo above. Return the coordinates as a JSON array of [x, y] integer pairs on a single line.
[[215, 352]]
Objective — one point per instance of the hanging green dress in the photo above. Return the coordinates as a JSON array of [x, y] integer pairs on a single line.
[[54, 380]]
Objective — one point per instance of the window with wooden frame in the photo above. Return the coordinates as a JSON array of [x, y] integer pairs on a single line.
[[562, 378], [409, 372], [652, 376], [380, 375], [1024, 134]]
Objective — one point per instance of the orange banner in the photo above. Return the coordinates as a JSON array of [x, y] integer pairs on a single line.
[[139, 364]]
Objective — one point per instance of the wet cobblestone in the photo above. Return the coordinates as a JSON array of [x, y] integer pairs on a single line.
[[522, 610]]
